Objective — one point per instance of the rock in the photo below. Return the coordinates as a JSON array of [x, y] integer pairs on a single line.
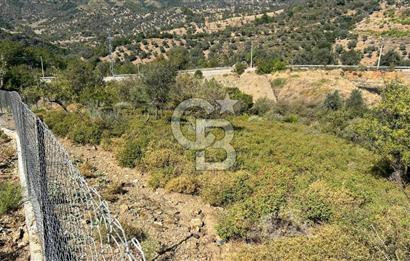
[[158, 223], [26, 238], [198, 212], [196, 224], [220, 242], [22, 244], [18, 235]]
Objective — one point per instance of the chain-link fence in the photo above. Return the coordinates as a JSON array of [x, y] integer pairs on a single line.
[[73, 221]]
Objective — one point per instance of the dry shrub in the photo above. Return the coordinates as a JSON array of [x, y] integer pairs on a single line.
[[165, 163], [328, 242], [111, 192], [131, 229], [183, 184], [7, 153], [224, 188], [320, 203], [87, 170]]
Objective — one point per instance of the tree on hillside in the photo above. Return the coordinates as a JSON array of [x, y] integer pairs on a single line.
[[77, 80], [391, 58], [387, 130], [59, 91], [355, 102], [240, 68], [179, 57], [351, 57], [81, 75], [269, 65], [264, 19], [333, 101], [158, 78]]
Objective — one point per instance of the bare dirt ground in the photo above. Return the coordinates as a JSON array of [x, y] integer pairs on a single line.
[[310, 86], [14, 243], [177, 227]]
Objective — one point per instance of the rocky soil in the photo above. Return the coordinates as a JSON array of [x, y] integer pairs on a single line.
[[174, 226]]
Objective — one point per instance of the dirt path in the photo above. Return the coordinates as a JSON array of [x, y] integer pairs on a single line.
[[14, 242], [180, 227]]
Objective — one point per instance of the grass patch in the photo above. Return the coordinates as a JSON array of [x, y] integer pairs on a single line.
[[402, 20], [278, 83], [396, 33], [10, 197]]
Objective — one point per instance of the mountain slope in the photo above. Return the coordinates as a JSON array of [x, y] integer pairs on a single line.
[[90, 21]]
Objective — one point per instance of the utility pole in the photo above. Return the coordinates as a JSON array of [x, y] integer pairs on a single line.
[[42, 66], [3, 68], [251, 54], [111, 56], [380, 55]]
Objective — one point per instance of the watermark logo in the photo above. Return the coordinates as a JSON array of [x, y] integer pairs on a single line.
[[203, 141]]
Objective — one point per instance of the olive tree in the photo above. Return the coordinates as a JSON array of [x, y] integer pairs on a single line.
[[387, 129]]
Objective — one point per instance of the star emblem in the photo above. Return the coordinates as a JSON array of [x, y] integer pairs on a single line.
[[227, 104]]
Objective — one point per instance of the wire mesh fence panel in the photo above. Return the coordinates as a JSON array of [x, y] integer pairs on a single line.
[[73, 221]]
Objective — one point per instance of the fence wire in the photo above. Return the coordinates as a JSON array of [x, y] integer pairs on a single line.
[[73, 221]]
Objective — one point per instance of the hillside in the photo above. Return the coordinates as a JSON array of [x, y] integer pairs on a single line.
[[311, 87], [90, 21], [298, 33], [201, 156], [389, 27]]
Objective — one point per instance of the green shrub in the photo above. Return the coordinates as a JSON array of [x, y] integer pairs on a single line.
[[268, 65], [151, 248], [262, 106], [355, 102], [329, 243], [333, 101], [315, 209], [79, 127], [198, 74], [240, 68], [166, 161], [221, 189], [59, 122], [292, 118], [86, 133], [252, 200], [351, 57], [245, 101], [10, 197], [129, 153], [278, 83], [389, 236]]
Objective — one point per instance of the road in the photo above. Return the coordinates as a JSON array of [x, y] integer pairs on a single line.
[[209, 72]]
